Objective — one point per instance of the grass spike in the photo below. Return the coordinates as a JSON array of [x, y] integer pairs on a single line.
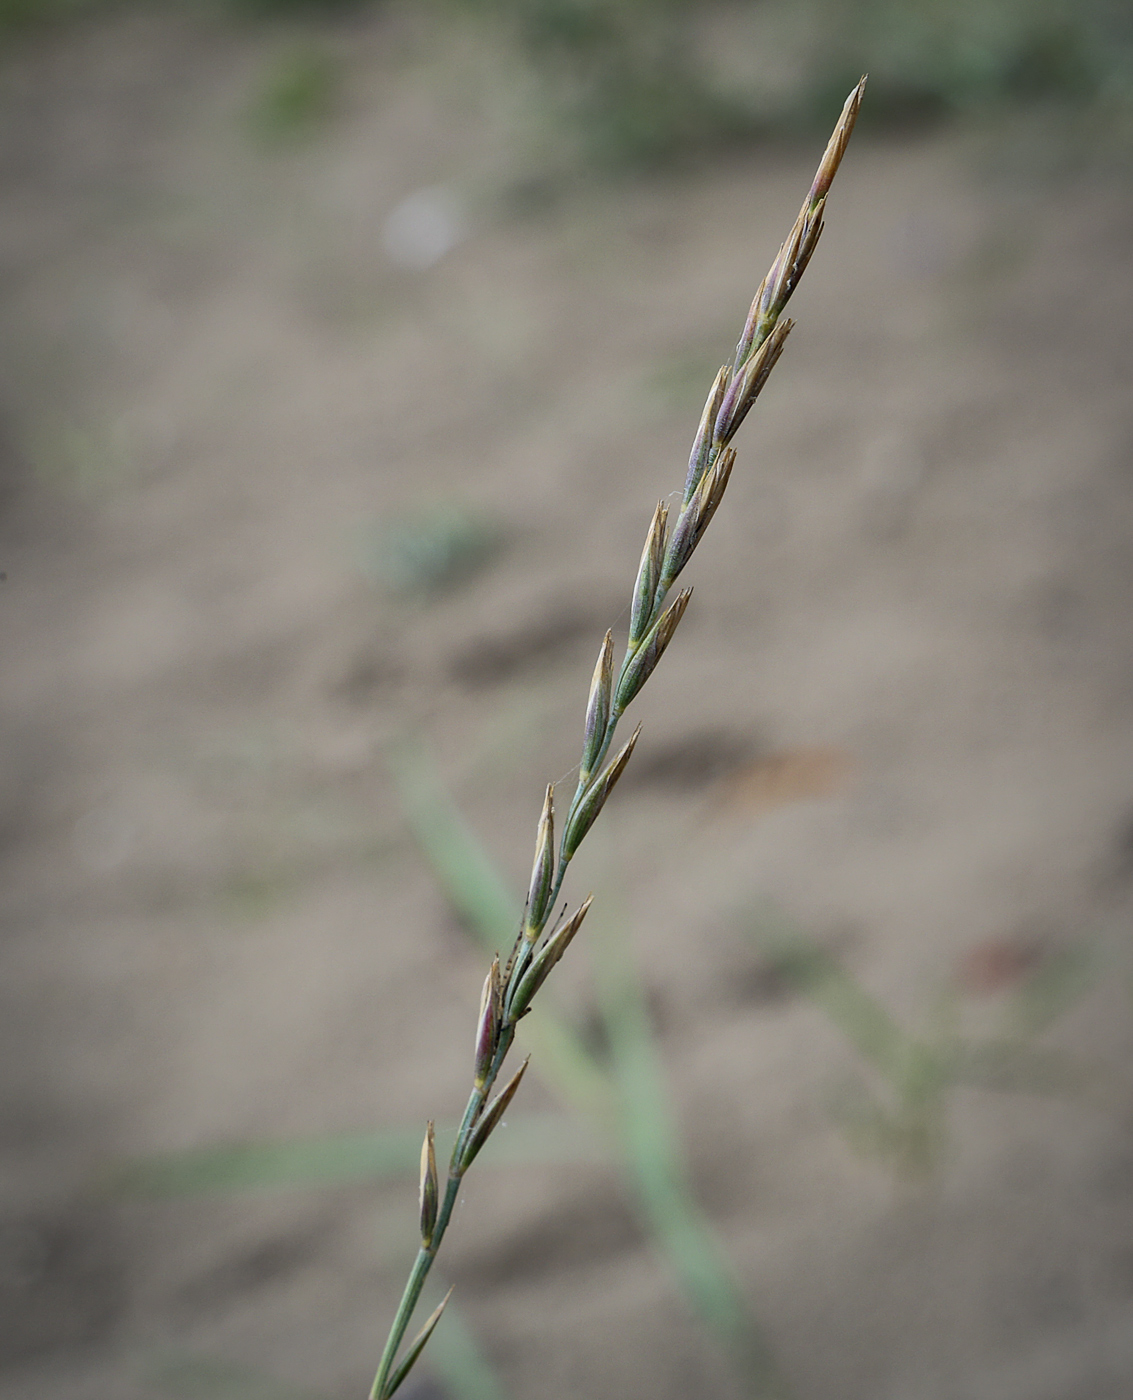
[[732, 394]]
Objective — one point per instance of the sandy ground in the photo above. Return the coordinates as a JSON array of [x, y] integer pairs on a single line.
[[899, 714]]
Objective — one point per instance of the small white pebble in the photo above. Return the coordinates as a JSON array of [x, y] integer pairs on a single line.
[[424, 227]]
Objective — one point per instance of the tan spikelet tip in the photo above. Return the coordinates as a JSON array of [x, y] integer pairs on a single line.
[[836, 147]]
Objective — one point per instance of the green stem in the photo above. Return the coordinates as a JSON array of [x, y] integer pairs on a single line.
[[416, 1281]]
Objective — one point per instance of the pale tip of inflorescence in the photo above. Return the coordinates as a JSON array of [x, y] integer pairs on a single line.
[[836, 146]]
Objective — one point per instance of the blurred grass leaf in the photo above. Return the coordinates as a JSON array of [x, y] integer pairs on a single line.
[[454, 1355], [1011, 1067], [1056, 983], [650, 1141], [430, 550], [186, 1376], [920, 1071], [295, 95], [91, 461], [640, 84], [909, 1138], [862, 1020], [335, 1160], [322, 1161], [273, 9]]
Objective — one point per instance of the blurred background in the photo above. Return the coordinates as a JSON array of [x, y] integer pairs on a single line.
[[346, 350]]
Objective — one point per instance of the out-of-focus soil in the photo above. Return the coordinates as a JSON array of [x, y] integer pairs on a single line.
[[899, 714]]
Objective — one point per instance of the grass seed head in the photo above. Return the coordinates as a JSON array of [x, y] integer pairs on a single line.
[[718, 479], [429, 1194], [648, 575], [705, 433], [488, 1026], [651, 650], [790, 264], [593, 802], [543, 869], [548, 956], [695, 518], [745, 387], [836, 146], [666, 553], [598, 707], [491, 1118]]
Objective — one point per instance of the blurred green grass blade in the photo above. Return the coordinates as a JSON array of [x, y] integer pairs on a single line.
[[470, 881], [185, 1376], [475, 889], [1014, 1068], [317, 1161], [644, 1115], [563, 1062], [295, 95], [429, 550], [336, 1160], [1052, 988], [541, 1137], [863, 1021], [677, 1224]]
